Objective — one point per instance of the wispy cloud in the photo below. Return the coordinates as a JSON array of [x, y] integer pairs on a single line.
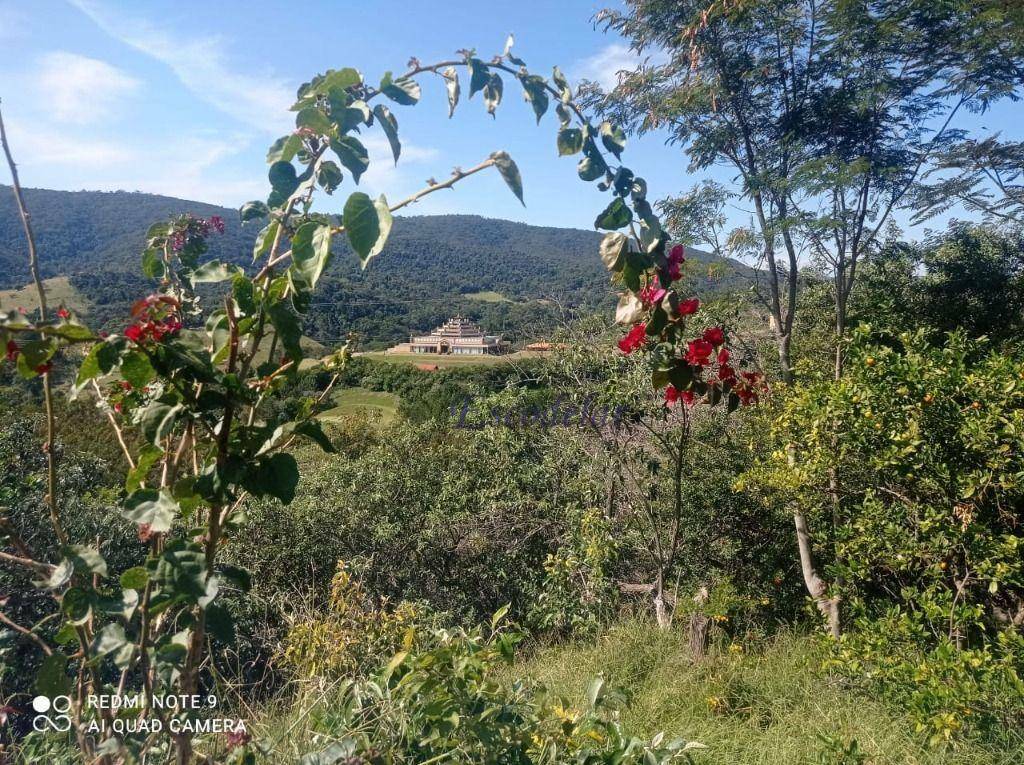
[[260, 100], [604, 66], [80, 89]]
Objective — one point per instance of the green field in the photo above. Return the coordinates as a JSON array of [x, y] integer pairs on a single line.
[[445, 360], [58, 292], [488, 296], [382, 407]]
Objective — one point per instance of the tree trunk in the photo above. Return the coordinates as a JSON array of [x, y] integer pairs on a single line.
[[698, 628], [662, 612], [816, 586]]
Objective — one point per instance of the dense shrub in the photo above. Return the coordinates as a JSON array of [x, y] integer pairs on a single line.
[[910, 469]]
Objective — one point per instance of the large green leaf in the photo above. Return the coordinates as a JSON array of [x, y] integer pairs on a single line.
[[213, 271], [614, 216], [404, 90], [536, 93], [288, 330], [510, 173], [283, 149], [86, 560], [362, 224], [265, 240], [589, 170], [100, 360], [312, 118], [352, 153], [479, 76], [329, 176], [570, 141], [311, 251], [157, 508], [275, 476], [158, 418], [613, 138], [283, 178], [389, 125]]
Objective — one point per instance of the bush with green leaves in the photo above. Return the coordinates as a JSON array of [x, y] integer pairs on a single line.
[[452, 702], [912, 461]]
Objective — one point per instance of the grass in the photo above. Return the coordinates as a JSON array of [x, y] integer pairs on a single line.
[[488, 296], [765, 706], [383, 407], [58, 292], [445, 359]]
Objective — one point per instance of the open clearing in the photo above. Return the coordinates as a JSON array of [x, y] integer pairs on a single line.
[[446, 359], [58, 292], [355, 401], [488, 296]]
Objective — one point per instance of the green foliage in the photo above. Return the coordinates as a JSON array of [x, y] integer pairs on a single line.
[[925, 541], [449, 702]]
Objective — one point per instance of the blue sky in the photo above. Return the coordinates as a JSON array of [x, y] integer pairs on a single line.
[[182, 98]]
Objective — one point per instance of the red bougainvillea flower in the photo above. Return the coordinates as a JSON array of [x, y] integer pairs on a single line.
[[698, 353], [218, 223], [689, 307], [63, 313], [673, 394], [636, 338], [134, 333], [723, 355], [726, 372], [749, 387], [652, 294], [43, 369], [12, 350], [677, 254], [714, 335]]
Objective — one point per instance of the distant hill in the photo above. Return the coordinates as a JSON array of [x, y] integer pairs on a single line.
[[512, 277]]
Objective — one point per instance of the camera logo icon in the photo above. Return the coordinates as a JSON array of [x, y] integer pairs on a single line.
[[51, 714]]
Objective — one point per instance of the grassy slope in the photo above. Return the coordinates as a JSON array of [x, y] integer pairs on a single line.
[[348, 401], [58, 292], [768, 707], [445, 360]]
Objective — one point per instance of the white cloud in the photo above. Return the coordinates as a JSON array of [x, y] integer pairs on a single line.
[[260, 100], [187, 167], [81, 89], [604, 66], [384, 176]]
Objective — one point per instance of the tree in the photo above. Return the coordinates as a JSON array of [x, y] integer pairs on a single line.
[[827, 111]]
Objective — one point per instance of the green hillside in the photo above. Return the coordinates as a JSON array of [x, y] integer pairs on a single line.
[[432, 266]]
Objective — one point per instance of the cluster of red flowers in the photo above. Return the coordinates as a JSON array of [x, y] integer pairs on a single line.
[[189, 228], [704, 352], [155, 318], [12, 350], [636, 338]]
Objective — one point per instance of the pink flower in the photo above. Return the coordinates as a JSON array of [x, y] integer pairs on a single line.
[[677, 254], [674, 272], [237, 738], [689, 307], [636, 338], [218, 223], [652, 294], [714, 335], [698, 353], [63, 313]]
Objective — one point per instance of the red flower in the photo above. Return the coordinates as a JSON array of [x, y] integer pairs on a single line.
[[674, 272], [652, 294], [12, 350], [636, 338], [677, 254], [218, 223], [671, 394], [43, 369], [63, 313], [723, 355], [145, 532], [698, 353], [689, 307], [726, 372], [134, 333], [104, 335], [688, 397], [714, 335]]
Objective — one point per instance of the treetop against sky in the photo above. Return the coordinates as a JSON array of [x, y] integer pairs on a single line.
[[183, 98]]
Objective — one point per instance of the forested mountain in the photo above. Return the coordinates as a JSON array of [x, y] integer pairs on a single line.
[[432, 265]]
